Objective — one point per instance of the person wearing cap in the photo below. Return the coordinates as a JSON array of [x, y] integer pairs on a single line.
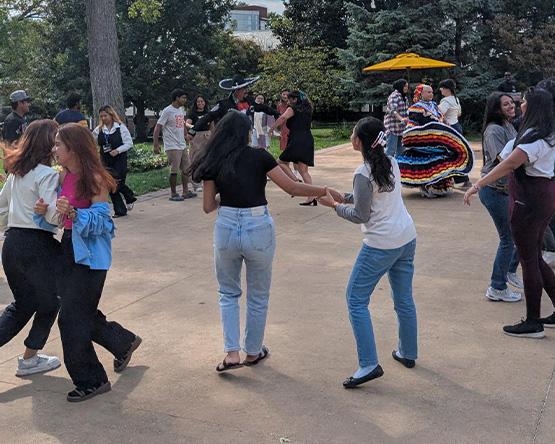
[[238, 100], [15, 123], [72, 114]]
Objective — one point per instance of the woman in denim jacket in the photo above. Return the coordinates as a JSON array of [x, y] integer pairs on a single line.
[[86, 258], [234, 177]]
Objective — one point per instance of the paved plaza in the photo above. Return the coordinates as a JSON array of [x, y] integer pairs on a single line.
[[471, 384]]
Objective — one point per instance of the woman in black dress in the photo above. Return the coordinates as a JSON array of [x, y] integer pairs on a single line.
[[114, 140], [300, 146]]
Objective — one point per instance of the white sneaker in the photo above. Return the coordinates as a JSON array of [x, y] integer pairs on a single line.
[[506, 295], [199, 188], [549, 257], [425, 193], [37, 364], [514, 280], [130, 206]]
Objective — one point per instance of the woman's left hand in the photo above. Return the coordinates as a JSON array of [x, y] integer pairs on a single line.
[[63, 206], [114, 153], [326, 200], [469, 192]]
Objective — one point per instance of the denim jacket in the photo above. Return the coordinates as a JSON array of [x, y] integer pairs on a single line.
[[92, 234]]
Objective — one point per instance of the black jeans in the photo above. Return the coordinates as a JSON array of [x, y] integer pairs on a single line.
[[29, 258], [81, 323], [117, 201]]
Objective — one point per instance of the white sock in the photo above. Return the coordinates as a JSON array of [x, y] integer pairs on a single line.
[[363, 371], [398, 354]]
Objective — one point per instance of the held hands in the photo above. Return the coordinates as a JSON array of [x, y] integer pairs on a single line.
[[337, 196], [40, 207], [63, 206], [114, 153], [327, 200]]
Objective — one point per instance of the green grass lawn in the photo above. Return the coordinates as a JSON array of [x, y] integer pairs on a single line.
[[153, 180]]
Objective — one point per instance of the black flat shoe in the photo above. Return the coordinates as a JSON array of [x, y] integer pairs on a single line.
[[374, 374], [307, 204], [115, 216], [408, 363]]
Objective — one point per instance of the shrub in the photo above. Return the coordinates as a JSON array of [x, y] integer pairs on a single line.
[[142, 158]]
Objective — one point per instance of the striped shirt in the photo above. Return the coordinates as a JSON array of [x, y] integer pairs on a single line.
[[396, 104]]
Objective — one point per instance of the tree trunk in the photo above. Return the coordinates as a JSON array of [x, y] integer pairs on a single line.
[[103, 56]]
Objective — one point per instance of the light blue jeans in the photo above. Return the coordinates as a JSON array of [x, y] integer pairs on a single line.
[[370, 266], [244, 234], [394, 145]]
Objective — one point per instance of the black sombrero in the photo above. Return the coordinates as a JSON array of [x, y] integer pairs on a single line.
[[237, 82]]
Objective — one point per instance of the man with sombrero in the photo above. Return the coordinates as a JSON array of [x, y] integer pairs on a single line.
[[237, 100]]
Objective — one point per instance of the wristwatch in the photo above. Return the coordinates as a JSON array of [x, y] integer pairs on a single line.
[[72, 213]]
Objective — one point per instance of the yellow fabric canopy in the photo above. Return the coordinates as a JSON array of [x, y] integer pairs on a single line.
[[408, 61]]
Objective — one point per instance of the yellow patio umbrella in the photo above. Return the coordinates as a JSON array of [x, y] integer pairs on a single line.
[[408, 61]]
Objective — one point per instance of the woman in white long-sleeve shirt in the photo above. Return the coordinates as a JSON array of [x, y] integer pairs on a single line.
[[389, 247], [29, 253], [114, 140]]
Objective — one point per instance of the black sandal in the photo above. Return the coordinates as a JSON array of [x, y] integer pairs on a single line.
[[224, 366], [262, 355], [79, 395]]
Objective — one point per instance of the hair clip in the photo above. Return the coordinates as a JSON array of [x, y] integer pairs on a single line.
[[380, 140]]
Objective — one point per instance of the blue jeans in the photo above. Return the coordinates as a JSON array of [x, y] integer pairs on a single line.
[[394, 145], [370, 266], [506, 260], [244, 234]]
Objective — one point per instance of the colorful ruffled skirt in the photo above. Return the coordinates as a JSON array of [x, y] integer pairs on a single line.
[[433, 154]]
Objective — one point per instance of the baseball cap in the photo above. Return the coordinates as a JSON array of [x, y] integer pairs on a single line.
[[20, 96]]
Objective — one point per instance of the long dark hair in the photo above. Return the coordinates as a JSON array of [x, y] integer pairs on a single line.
[[32, 149], [229, 139], [194, 108], [399, 85], [493, 113], [450, 85], [79, 139], [368, 130], [303, 104], [538, 122]]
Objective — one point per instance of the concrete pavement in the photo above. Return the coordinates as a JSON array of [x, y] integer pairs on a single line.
[[471, 384]]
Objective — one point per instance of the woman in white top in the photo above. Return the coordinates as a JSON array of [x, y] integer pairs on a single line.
[[450, 107], [114, 140], [29, 253], [529, 160], [389, 247]]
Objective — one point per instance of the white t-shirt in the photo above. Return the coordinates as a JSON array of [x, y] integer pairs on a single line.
[[541, 157], [173, 132], [450, 108], [18, 197]]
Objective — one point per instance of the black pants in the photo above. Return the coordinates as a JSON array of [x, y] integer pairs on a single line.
[[29, 258], [81, 323], [117, 201]]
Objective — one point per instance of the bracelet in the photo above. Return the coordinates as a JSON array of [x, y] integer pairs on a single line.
[[477, 188], [335, 205]]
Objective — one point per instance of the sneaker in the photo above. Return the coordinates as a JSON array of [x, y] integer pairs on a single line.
[[176, 197], [121, 364], [549, 257], [199, 188], [548, 322], [189, 195], [37, 364], [506, 295], [425, 193], [131, 204], [525, 329], [514, 280], [79, 395]]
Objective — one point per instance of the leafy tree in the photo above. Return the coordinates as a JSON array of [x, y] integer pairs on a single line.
[[309, 70]]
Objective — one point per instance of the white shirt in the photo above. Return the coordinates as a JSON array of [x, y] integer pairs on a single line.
[[450, 108], [172, 120], [390, 225], [541, 157], [18, 197], [125, 135]]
